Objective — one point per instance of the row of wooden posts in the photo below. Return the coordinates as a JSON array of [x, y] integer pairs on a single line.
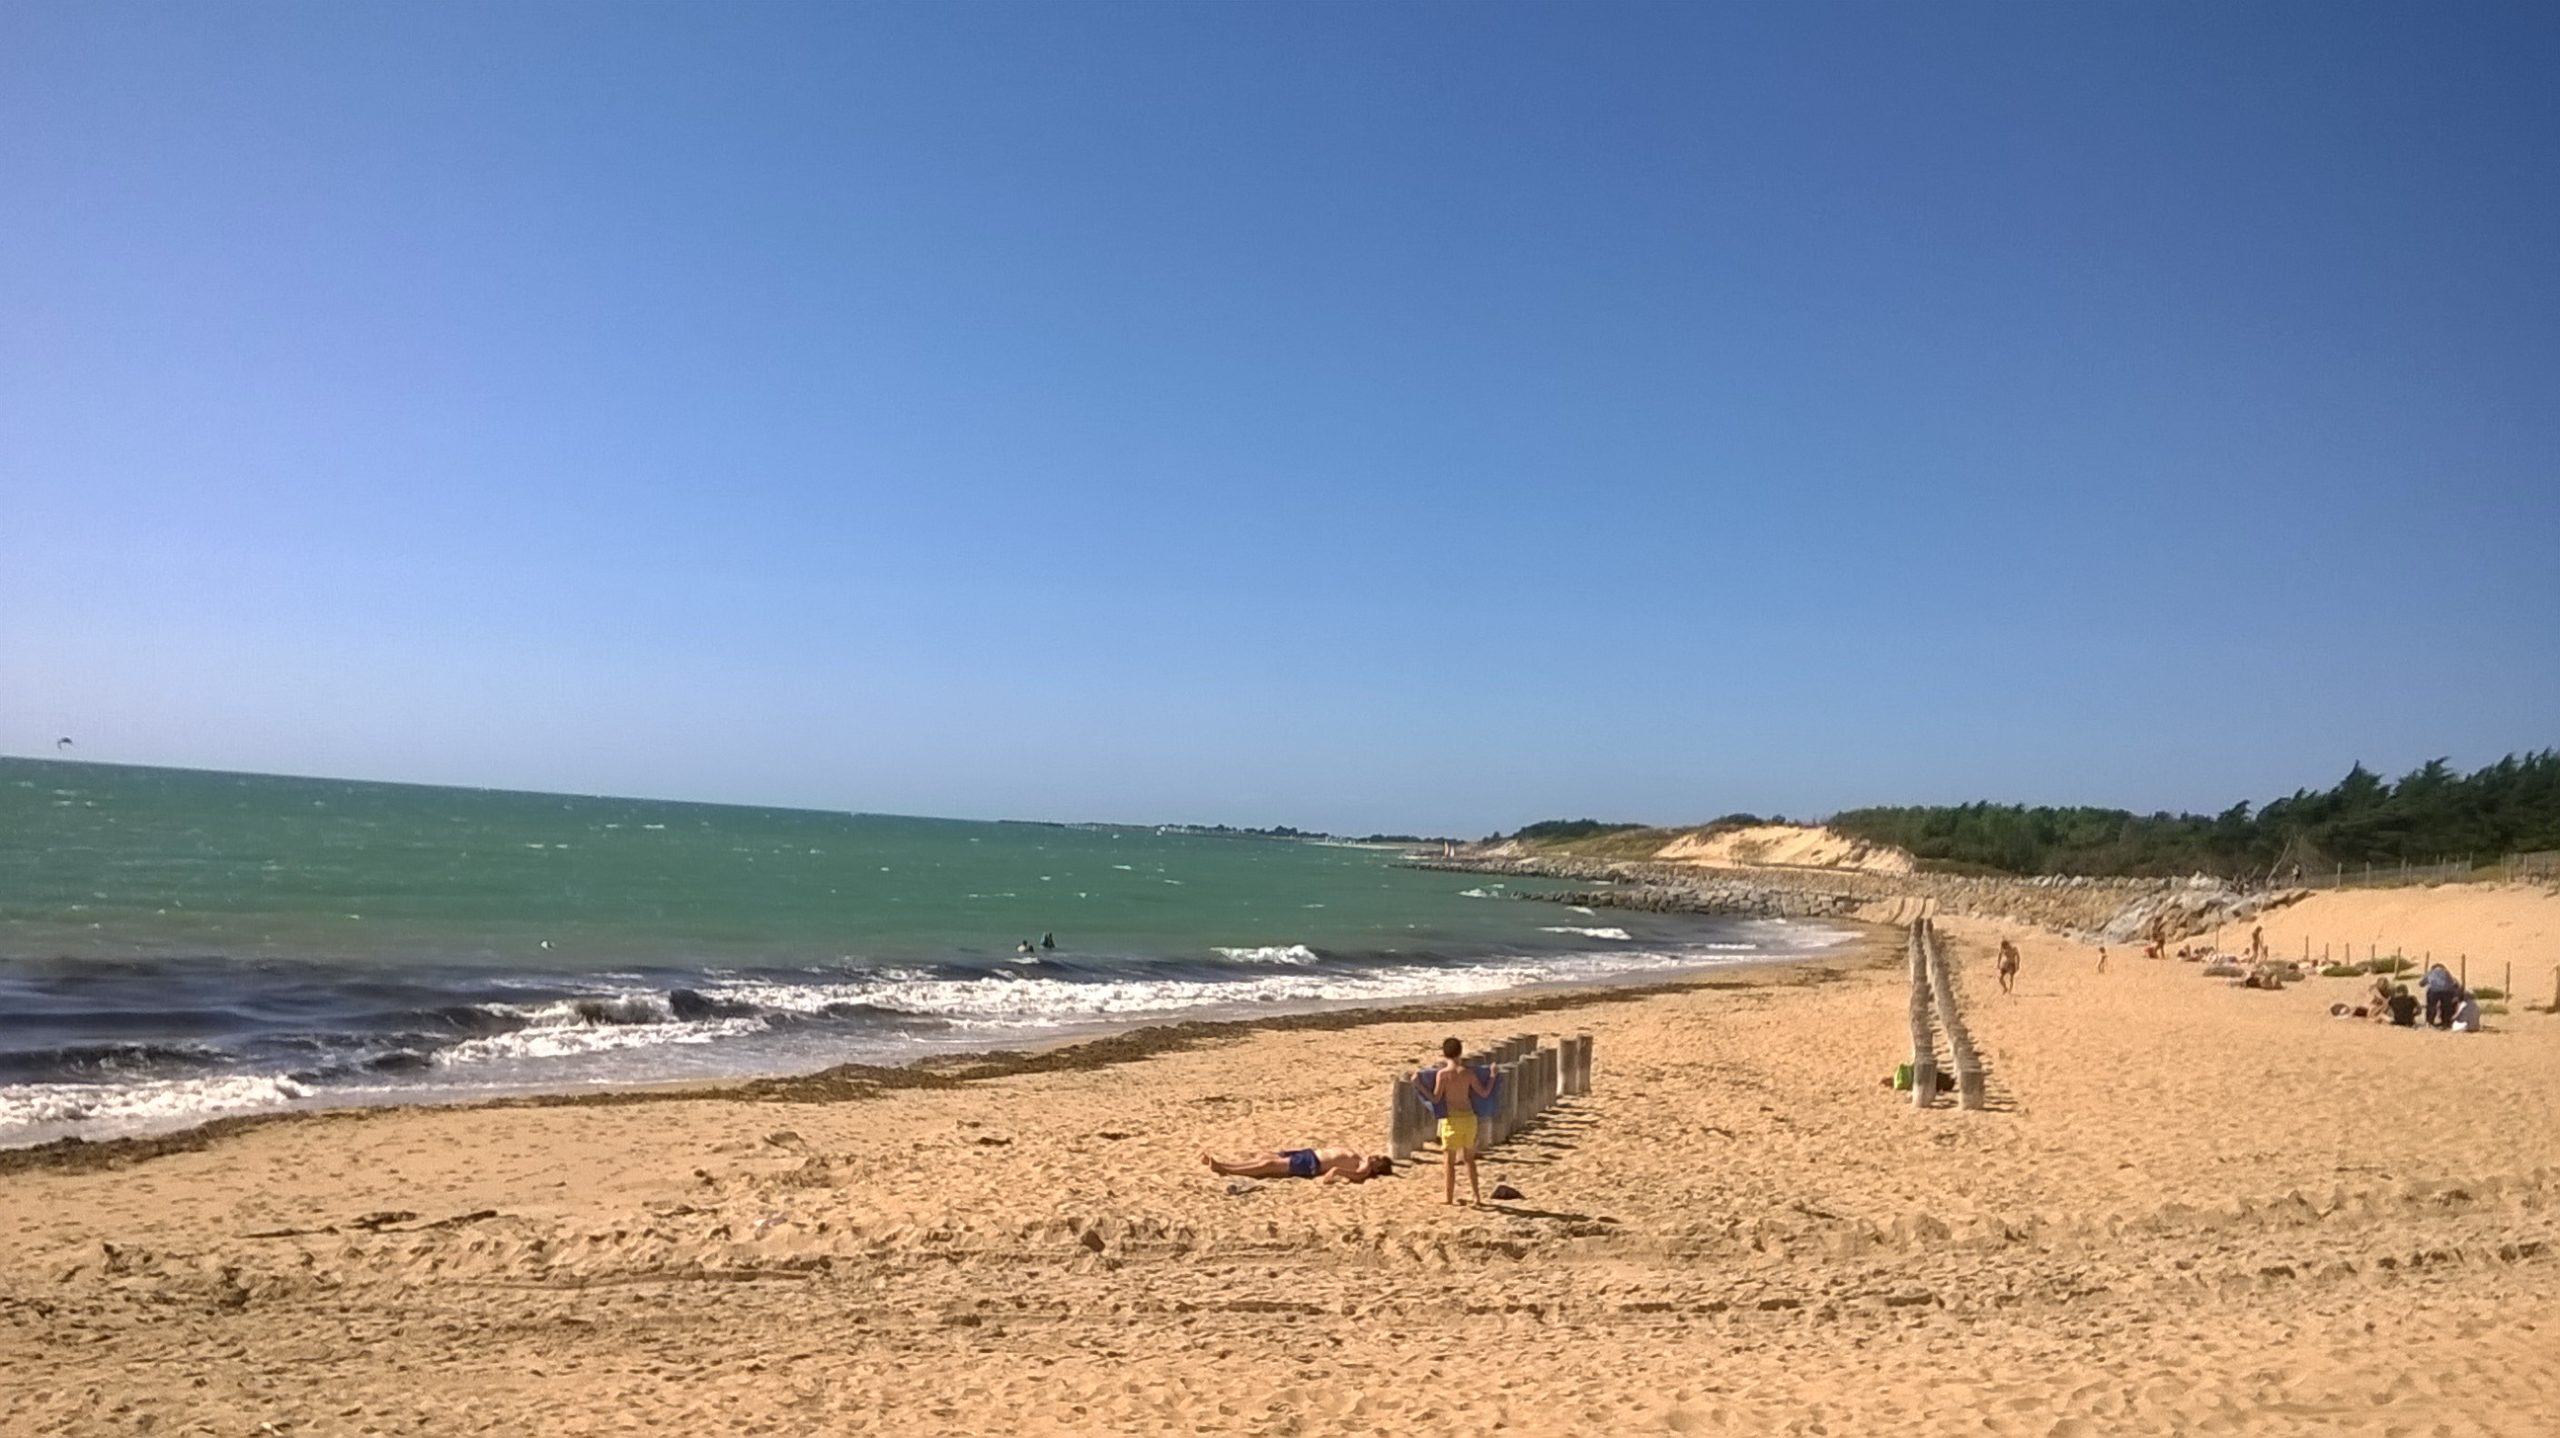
[[1933, 991], [1528, 1081], [2425, 961]]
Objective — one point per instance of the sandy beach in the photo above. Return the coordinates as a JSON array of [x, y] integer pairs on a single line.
[[2192, 1208]]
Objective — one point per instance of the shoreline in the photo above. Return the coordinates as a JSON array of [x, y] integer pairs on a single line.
[[858, 1082], [2189, 1207]]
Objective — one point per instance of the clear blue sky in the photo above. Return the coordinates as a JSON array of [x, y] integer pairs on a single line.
[[1357, 416]]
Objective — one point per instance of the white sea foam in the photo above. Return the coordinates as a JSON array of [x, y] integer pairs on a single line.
[[568, 1041], [1271, 954], [1478, 894], [34, 1112], [1011, 1002], [610, 1035], [1615, 936]]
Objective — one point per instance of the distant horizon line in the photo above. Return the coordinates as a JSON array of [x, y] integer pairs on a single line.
[[1265, 829], [657, 799]]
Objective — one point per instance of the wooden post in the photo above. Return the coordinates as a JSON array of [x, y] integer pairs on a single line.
[[1506, 1110], [1924, 1057], [1402, 1132], [1582, 1069], [1969, 1085]]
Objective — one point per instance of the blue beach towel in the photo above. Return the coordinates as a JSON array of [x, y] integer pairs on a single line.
[[1483, 1104]]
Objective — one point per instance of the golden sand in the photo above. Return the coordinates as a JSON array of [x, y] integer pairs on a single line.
[[2193, 1208]]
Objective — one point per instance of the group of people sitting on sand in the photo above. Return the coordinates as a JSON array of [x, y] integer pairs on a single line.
[[1453, 1091], [2448, 1005]]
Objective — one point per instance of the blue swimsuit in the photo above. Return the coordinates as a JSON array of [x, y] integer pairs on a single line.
[[1302, 1162]]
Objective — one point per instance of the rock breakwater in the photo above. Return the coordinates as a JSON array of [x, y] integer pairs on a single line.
[[2113, 909]]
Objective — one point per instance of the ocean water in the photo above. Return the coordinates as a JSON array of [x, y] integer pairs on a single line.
[[177, 945]]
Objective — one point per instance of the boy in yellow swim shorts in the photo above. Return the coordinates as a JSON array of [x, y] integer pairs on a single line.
[[1454, 1090]]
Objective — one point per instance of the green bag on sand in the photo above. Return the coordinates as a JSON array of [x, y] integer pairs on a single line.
[[1902, 1078]]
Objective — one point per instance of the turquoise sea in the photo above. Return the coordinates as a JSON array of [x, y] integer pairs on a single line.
[[176, 944]]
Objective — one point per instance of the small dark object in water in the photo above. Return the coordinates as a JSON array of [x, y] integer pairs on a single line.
[[692, 1005]]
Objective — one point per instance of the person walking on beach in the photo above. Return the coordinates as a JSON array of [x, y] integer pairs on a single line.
[[1454, 1089], [2008, 967], [2258, 943], [2102, 958], [1324, 1165]]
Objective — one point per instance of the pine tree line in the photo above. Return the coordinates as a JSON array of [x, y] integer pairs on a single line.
[[2431, 814]]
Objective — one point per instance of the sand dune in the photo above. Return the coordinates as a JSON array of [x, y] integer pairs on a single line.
[[2194, 1209], [1784, 845], [2493, 926]]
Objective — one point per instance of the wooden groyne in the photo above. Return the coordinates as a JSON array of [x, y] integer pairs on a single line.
[[1529, 1079], [1934, 1006]]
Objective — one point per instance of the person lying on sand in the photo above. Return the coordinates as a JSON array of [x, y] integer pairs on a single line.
[[1324, 1165]]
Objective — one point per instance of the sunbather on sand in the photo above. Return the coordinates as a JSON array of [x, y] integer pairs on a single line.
[[1324, 1165]]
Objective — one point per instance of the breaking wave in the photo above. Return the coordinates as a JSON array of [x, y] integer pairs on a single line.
[[301, 1035]]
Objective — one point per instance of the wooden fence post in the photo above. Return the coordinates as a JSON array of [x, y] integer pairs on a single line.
[[1924, 1057], [1969, 1084], [1582, 1066], [1409, 1124]]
